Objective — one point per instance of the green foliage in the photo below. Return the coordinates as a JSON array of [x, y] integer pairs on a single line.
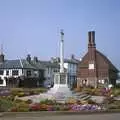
[[118, 85], [39, 90], [28, 101], [20, 92], [16, 91], [48, 102], [115, 91], [20, 106], [18, 101], [114, 105], [91, 101], [5, 104]]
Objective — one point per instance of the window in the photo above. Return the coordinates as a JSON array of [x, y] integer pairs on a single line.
[[28, 73], [14, 72], [1, 72], [1, 81], [36, 73], [55, 70], [7, 72], [91, 66]]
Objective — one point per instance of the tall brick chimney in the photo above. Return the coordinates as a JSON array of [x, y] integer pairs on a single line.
[[92, 58], [91, 45], [91, 39]]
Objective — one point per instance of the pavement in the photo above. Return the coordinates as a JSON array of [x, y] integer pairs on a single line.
[[106, 116]]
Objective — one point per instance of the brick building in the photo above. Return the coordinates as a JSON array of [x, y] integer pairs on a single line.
[[95, 68]]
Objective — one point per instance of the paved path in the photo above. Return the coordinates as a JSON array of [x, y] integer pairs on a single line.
[[112, 116]]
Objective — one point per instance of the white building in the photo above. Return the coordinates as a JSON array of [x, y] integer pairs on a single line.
[[18, 68]]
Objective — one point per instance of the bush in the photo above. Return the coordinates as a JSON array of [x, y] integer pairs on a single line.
[[115, 104], [118, 85], [39, 90], [28, 101], [5, 104], [48, 102], [16, 91], [71, 101], [91, 101], [20, 94], [115, 92], [21, 107]]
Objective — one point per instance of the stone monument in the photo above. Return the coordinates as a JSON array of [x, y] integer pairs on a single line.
[[60, 78]]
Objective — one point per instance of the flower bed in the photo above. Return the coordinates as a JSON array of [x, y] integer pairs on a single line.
[[49, 105], [8, 103]]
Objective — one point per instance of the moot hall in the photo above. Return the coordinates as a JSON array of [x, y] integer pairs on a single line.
[[95, 68]]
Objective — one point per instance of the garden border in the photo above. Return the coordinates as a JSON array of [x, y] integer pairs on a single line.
[[54, 113]]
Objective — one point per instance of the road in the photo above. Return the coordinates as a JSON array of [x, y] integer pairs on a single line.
[[112, 116]]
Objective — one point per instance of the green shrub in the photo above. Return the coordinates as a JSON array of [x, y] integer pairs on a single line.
[[16, 91], [115, 92], [28, 101], [18, 101], [91, 101], [20, 94], [114, 105], [25, 92], [118, 85], [39, 90], [56, 107], [22, 106], [5, 105], [48, 102]]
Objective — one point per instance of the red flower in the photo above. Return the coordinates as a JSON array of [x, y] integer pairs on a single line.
[[35, 107], [14, 109]]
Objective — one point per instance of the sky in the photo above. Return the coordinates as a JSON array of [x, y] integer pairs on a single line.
[[33, 26]]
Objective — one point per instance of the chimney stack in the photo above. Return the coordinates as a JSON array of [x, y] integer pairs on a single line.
[[91, 39], [72, 56], [1, 54], [35, 59], [1, 58], [28, 58]]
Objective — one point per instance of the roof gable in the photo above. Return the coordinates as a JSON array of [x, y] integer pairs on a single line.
[[84, 62], [110, 65]]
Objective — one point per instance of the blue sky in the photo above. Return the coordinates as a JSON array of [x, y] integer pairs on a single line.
[[31, 26]]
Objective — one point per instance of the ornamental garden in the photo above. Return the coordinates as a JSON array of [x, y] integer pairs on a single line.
[[99, 99]]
